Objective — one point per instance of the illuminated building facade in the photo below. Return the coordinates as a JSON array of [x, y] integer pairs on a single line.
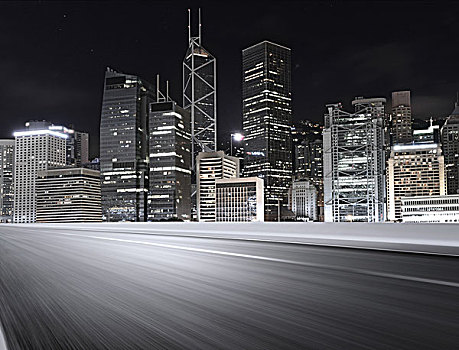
[[200, 93], [124, 146], [35, 150], [211, 166], [240, 200], [303, 200], [431, 209], [68, 195], [413, 170], [6, 180], [401, 117], [354, 185], [169, 193], [450, 148], [267, 121]]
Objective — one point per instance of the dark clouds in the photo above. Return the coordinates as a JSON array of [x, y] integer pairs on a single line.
[[53, 55]]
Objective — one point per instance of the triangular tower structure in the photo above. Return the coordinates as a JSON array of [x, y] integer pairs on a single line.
[[200, 93]]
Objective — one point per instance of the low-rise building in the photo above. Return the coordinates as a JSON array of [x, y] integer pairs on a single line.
[[68, 195], [434, 209], [211, 166], [303, 200], [240, 199]]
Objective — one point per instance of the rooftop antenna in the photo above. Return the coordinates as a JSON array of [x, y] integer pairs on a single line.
[[167, 90], [189, 25], [157, 87], [199, 39], [159, 95]]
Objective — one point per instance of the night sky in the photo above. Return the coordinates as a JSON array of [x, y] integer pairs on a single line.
[[53, 55]]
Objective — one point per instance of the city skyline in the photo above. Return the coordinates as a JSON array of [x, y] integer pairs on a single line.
[[60, 80]]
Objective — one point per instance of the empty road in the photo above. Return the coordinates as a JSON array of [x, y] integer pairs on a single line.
[[64, 288]]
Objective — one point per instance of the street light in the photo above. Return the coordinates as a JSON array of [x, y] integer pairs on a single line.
[[238, 137]]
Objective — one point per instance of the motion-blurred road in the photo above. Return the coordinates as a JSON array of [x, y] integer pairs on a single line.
[[73, 289]]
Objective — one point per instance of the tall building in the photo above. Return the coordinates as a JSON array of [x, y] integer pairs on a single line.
[[401, 117], [354, 186], [124, 146], [267, 120], [6, 180], [303, 200], [308, 164], [211, 166], [450, 147], [240, 200], [35, 150], [77, 145], [169, 193], [413, 170], [200, 93], [68, 195]]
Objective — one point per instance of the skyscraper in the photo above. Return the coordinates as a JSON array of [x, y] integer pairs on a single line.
[[6, 180], [267, 120], [450, 147], [354, 186], [169, 193], [124, 146], [200, 93], [401, 117], [36, 149], [77, 144]]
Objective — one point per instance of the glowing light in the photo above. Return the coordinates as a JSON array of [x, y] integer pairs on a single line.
[[238, 136], [39, 132]]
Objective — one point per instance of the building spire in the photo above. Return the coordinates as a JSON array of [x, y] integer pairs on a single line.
[[199, 37], [189, 26]]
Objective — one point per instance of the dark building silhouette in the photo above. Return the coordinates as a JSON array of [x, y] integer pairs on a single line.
[[124, 146]]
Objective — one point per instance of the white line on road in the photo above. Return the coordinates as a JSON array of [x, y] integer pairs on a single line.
[[284, 261]]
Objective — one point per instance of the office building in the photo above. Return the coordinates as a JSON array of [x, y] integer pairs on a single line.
[[68, 195], [77, 143], [450, 148], [240, 200], [354, 186], [431, 209], [169, 195], [200, 93], [303, 200], [211, 166], [6, 180], [429, 135], [401, 117], [35, 150], [413, 170], [267, 120], [308, 164], [124, 146]]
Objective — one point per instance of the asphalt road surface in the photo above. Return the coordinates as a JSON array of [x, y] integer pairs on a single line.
[[72, 289]]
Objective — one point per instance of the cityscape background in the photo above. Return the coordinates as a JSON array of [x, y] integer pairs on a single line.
[[169, 156], [55, 54]]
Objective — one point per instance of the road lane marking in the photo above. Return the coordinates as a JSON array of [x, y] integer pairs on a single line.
[[277, 260]]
